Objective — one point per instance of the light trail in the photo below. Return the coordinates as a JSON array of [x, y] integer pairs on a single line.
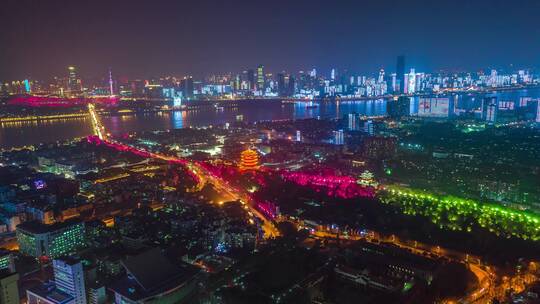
[[44, 117], [96, 123], [201, 174]]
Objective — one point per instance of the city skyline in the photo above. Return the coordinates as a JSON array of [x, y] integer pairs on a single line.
[[212, 37], [278, 152]]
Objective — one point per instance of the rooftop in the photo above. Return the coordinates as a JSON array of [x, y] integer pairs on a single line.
[[150, 273], [48, 291], [39, 228]]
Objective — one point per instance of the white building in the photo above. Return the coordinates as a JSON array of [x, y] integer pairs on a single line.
[[69, 278]]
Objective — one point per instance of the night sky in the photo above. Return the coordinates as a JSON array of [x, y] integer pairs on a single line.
[[41, 38]]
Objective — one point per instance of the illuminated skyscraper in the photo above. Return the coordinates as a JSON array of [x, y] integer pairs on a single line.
[[69, 278], [381, 76], [353, 122], [490, 109], [73, 82], [400, 72], [338, 137], [260, 78], [369, 128], [187, 87], [394, 83], [27, 86], [410, 82], [538, 111]]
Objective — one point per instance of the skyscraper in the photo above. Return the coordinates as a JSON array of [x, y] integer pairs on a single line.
[[538, 111], [381, 76], [400, 72], [369, 128], [490, 109], [410, 82], [250, 77], [399, 108], [291, 87], [281, 84], [338, 137], [187, 86], [353, 122], [69, 278], [260, 78], [73, 82]]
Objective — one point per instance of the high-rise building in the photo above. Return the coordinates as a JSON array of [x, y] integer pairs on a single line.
[[27, 87], [9, 290], [381, 76], [69, 278], [338, 137], [291, 86], [187, 87], [393, 83], [400, 72], [399, 108], [353, 122], [97, 295], [490, 109], [538, 111], [250, 77], [298, 135], [410, 82], [73, 81], [435, 107], [260, 78], [281, 84], [369, 127], [37, 239]]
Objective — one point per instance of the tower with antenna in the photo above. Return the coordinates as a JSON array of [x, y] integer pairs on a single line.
[[111, 86]]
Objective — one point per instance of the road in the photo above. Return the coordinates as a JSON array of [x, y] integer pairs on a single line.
[[485, 290], [203, 175], [482, 294]]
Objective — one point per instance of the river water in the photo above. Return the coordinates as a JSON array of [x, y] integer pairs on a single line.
[[26, 133]]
